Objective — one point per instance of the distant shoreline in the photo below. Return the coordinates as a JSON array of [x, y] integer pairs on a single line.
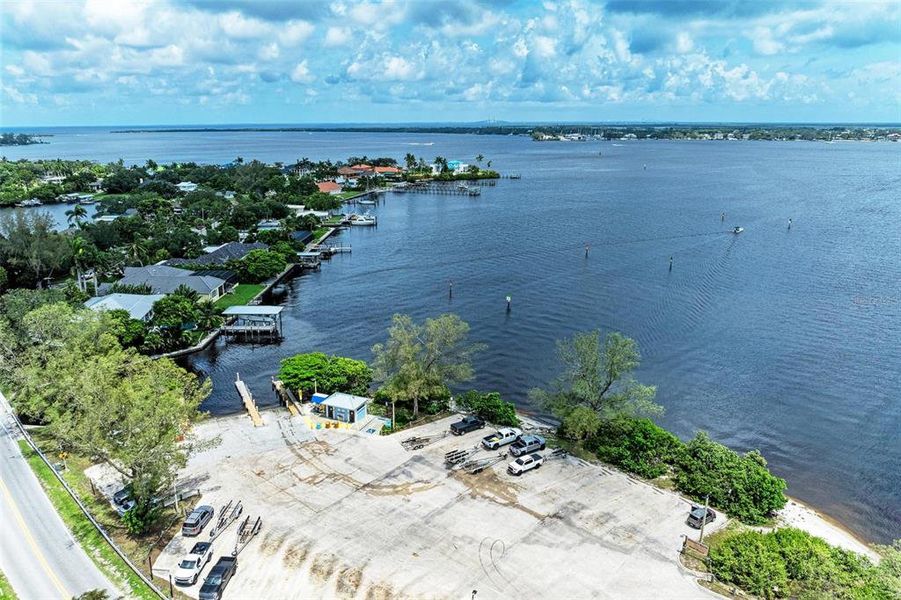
[[594, 132]]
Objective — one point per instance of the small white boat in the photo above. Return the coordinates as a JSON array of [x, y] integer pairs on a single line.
[[737, 229], [29, 203], [367, 202], [366, 219]]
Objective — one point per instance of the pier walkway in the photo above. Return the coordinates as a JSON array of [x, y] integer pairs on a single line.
[[249, 402]]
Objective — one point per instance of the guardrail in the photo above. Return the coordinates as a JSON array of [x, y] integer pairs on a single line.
[[77, 500]]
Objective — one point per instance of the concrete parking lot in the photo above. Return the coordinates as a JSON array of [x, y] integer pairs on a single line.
[[352, 515]]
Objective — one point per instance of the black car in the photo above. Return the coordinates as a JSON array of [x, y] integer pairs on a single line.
[[121, 497], [467, 424], [696, 517], [218, 578], [196, 521]]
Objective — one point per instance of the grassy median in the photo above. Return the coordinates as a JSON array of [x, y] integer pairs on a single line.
[[84, 531]]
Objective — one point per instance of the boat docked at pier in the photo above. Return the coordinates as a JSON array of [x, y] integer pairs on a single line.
[[29, 203], [366, 219]]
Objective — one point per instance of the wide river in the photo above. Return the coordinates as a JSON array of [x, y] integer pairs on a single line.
[[782, 339]]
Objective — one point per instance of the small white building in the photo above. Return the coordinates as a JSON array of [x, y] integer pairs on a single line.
[[186, 186], [346, 408]]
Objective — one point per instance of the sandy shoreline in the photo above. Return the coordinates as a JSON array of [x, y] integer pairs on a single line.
[[799, 515]]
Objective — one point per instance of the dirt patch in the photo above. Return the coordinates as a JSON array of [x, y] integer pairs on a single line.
[[380, 591], [491, 487], [273, 541], [398, 489], [295, 555], [349, 580], [323, 567]]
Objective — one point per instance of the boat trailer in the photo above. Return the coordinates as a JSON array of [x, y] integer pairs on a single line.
[[421, 441], [228, 514], [480, 464], [246, 532], [457, 457]]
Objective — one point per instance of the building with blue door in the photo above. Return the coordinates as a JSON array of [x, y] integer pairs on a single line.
[[346, 408]]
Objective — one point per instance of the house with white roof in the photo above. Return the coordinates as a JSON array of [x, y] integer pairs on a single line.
[[138, 306]]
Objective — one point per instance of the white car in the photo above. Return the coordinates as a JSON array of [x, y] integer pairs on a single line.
[[189, 568], [525, 463], [501, 437]]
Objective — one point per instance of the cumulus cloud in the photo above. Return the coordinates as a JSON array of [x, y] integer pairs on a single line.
[[571, 53]]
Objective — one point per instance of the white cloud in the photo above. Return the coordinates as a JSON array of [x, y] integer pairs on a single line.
[[337, 36], [237, 26], [301, 73], [295, 32], [18, 97], [684, 43]]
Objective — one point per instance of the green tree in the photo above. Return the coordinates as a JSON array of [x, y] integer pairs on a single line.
[[580, 423], [637, 445], [479, 159], [740, 485], [327, 374], [130, 332], [421, 360], [410, 160], [66, 376], [31, 250], [490, 407], [259, 265], [598, 377], [76, 215], [175, 312], [209, 316]]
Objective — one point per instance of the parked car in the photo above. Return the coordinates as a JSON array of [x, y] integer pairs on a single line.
[[467, 424], [525, 463], [696, 517], [189, 568], [526, 444], [501, 437], [218, 578], [123, 501], [196, 521]]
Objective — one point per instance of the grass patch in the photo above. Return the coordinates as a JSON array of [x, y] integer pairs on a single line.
[[6, 590], [83, 530], [319, 232], [242, 294]]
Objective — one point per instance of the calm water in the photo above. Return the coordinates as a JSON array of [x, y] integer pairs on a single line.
[[783, 340]]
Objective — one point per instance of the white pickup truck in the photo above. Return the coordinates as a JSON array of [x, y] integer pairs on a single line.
[[189, 568], [525, 463], [501, 437]]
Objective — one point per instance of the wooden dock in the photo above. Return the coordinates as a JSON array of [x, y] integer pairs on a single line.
[[286, 396], [249, 403]]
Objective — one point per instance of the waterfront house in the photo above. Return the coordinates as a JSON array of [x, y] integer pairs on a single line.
[[329, 187], [186, 186], [165, 279], [300, 210], [96, 185], [269, 225], [138, 306], [219, 255], [387, 171]]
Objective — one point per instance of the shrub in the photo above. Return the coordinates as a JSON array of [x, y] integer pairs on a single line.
[[325, 373], [637, 445], [740, 485], [489, 407], [752, 562], [139, 519]]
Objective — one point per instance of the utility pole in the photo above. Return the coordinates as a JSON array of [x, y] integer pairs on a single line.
[[704, 518]]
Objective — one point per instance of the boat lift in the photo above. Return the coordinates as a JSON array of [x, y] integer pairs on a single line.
[[480, 464], [421, 441], [246, 533], [228, 514]]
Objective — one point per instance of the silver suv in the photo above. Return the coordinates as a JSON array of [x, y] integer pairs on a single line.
[[196, 521], [526, 444]]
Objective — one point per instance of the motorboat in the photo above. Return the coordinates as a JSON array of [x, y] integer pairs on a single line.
[[737, 229], [366, 219], [367, 202], [29, 203]]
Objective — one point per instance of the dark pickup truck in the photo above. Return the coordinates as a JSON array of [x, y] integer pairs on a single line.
[[466, 424], [218, 578]]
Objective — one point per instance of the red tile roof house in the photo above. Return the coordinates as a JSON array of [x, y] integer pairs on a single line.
[[388, 170], [329, 187], [362, 169]]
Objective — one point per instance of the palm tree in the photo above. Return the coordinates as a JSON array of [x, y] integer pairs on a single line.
[[209, 316], [137, 251], [489, 164], [410, 159], [187, 292], [76, 214], [479, 159]]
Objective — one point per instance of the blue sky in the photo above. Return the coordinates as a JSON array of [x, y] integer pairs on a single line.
[[236, 61]]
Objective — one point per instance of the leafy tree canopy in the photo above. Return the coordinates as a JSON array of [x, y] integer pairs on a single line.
[[327, 374]]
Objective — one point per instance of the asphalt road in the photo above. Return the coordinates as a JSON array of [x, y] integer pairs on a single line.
[[38, 555]]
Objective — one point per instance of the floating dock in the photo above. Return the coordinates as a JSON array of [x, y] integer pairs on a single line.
[[258, 322]]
